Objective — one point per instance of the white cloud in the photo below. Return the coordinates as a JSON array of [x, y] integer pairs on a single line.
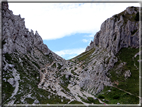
[[85, 40], [56, 20], [90, 36], [70, 52]]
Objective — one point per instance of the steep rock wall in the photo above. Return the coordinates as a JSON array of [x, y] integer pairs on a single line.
[[121, 30], [16, 36], [30, 68], [24, 54]]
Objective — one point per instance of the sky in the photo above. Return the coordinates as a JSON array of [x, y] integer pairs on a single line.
[[67, 28]]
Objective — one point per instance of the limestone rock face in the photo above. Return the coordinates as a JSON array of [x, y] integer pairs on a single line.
[[17, 37], [119, 31], [32, 72], [24, 55], [90, 47]]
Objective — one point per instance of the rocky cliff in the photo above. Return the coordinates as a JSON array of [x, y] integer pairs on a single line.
[[23, 55], [121, 30], [33, 74]]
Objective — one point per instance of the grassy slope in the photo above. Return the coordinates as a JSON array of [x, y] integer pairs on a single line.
[[117, 96], [113, 97], [131, 84], [83, 57], [28, 83]]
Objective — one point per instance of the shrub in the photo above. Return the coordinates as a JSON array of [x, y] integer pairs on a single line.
[[54, 65], [137, 17], [8, 57], [90, 99], [101, 97], [116, 97], [59, 66]]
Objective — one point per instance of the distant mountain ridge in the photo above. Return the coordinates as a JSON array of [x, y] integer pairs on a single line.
[[33, 74]]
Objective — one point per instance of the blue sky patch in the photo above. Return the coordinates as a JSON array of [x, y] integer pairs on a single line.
[[76, 42]]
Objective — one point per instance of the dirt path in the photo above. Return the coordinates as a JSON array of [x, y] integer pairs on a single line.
[[127, 92]]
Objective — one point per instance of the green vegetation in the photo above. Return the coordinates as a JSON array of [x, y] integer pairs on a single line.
[[29, 75], [65, 82], [130, 84], [28, 84], [137, 17], [8, 89], [54, 65], [101, 96], [74, 73], [84, 55], [89, 100], [29, 100], [117, 74], [58, 74], [92, 100], [76, 102], [44, 99], [36, 64], [133, 32], [49, 57], [107, 60], [59, 66], [45, 58], [29, 79], [8, 57], [126, 17], [112, 95]]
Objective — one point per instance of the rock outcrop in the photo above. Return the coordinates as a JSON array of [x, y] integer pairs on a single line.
[[33, 74], [121, 30], [17, 37], [24, 55]]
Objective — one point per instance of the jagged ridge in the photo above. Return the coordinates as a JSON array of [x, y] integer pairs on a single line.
[[29, 66]]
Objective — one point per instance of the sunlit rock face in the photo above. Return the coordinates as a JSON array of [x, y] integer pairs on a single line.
[[17, 37], [33, 74], [24, 55], [121, 30]]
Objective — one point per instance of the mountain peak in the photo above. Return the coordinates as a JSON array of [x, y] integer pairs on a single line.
[[121, 30], [33, 74]]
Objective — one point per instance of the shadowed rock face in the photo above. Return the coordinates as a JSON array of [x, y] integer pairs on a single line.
[[28, 64]]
